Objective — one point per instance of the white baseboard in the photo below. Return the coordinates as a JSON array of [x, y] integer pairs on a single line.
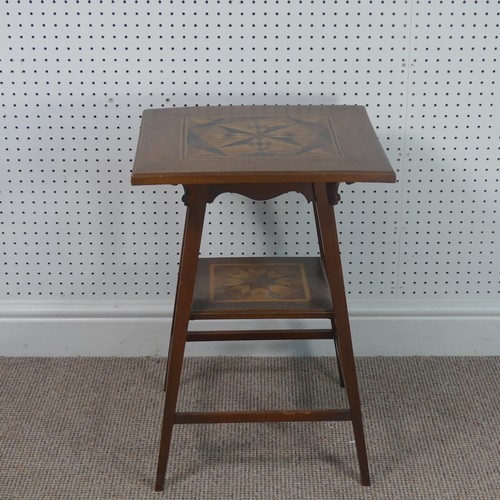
[[385, 328]]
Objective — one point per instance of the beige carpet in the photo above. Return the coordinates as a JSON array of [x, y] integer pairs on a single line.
[[89, 428]]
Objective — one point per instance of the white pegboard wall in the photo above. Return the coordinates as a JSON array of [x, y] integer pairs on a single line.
[[449, 232], [76, 76]]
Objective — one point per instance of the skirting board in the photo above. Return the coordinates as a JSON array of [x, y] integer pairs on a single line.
[[389, 328]]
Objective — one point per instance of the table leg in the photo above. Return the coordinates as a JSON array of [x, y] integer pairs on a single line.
[[196, 198], [332, 319], [333, 266], [337, 353]]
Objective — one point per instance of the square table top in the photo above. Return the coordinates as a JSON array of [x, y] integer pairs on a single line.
[[259, 144]]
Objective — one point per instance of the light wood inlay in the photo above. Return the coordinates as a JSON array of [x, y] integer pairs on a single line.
[[259, 137], [258, 282]]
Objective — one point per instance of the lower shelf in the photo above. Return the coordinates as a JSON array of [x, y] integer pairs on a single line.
[[261, 287]]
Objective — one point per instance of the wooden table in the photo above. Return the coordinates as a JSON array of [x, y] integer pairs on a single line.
[[260, 152]]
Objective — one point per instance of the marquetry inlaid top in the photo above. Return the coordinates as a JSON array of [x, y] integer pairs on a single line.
[[255, 144], [260, 137]]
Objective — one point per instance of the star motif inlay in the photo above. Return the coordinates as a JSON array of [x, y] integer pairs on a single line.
[[259, 282], [267, 136]]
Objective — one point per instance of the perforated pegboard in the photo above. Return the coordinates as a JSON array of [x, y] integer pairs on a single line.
[[75, 77], [449, 232]]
